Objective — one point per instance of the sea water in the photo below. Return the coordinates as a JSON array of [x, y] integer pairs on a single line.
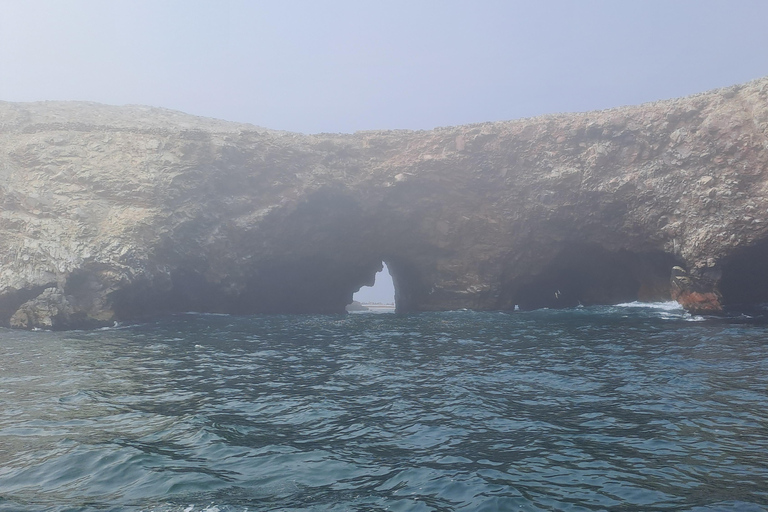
[[636, 407]]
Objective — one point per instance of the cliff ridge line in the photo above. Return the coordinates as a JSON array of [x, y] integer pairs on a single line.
[[116, 213]]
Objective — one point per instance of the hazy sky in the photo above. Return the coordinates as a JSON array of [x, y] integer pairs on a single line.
[[346, 65], [382, 291], [341, 66]]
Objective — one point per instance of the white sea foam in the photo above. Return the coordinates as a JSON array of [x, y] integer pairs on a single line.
[[670, 305], [667, 310]]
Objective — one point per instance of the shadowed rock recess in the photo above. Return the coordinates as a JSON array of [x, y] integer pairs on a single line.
[[118, 213]]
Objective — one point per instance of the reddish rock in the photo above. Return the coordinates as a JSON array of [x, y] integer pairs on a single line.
[[696, 297], [700, 303]]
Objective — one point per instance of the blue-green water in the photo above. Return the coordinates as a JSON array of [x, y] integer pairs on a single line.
[[608, 408]]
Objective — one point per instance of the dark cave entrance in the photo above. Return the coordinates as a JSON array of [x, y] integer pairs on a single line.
[[744, 280], [311, 260], [310, 285], [582, 274]]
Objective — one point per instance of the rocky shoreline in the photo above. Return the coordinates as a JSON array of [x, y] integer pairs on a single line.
[[116, 213]]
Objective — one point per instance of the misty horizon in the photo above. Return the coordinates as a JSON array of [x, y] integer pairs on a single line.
[[347, 66]]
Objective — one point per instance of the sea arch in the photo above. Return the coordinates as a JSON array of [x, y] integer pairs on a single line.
[[310, 258]]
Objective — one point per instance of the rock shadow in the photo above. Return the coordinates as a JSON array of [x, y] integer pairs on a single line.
[[586, 274], [744, 279]]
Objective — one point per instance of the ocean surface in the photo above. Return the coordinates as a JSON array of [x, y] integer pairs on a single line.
[[636, 407]]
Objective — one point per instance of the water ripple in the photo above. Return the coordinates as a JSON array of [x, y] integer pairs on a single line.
[[633, 408]]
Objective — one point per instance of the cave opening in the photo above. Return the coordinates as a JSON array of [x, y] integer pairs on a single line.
[[584, 274], [379, 295], [744, 280], [312, 285]]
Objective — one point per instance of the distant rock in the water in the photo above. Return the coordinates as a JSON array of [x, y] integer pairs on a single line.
[[117, 213], [356, 306]]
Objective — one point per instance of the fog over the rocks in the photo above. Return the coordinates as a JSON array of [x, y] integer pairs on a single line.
[[347, 65]]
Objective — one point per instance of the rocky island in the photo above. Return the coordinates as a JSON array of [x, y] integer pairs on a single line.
[[117, 213]]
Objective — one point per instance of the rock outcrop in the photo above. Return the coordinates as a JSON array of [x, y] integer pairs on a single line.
[[115, 213], [694, 295]]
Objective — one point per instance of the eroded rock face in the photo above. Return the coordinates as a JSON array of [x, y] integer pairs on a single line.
[[115, 213], [695, 295], [50, 308]]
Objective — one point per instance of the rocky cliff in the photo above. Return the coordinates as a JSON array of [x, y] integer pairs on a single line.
[[116, 213]]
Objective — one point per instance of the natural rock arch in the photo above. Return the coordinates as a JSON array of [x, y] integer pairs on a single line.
[[319, 254], [114, 213]]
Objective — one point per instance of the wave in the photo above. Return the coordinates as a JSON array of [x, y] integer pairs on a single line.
[[670, 305], [665, 310]]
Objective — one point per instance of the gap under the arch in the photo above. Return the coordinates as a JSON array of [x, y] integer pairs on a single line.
[[381, 294]]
